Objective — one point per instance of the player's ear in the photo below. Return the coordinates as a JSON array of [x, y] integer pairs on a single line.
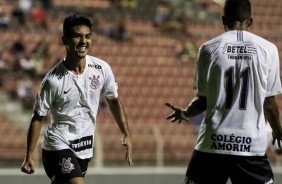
[[250, 22], [64, 39]]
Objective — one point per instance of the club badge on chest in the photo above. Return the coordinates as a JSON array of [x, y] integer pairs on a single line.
[[95, 83]]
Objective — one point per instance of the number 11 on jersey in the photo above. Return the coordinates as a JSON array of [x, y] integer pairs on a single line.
[[229, 83]]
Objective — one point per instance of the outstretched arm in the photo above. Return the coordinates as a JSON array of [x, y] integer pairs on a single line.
[[32, 138], [271, 112], [118, 112], [197, 106]]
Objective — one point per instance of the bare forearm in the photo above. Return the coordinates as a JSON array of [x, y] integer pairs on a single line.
[[119, 114], [271, 112], [196, 107], [33, 135]]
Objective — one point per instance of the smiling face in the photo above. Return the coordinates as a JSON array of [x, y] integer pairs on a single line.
[[77, 42]]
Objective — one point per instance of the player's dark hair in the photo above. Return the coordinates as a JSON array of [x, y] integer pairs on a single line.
[[237, 10], [73, 20]]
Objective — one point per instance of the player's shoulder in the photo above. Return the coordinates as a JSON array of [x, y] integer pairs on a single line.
[[259, 40], [56, 73], [211, 44]]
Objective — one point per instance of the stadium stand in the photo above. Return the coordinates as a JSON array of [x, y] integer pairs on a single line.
[[12, 143], [146, 69]]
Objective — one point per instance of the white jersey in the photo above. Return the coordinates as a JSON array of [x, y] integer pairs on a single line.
[[235, 72], [73, 101]]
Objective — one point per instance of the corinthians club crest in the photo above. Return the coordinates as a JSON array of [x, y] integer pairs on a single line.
[[95, 83], [67, 166]]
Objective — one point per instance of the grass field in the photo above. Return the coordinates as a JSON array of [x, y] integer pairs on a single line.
[[140, 175]]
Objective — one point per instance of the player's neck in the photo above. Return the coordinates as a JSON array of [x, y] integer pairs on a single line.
[[242, 26], [76, 66]]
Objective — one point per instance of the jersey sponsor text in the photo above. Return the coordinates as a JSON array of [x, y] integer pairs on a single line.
[[240, 57], [95, 66], [82, 143], [235, 49], [231, 143]]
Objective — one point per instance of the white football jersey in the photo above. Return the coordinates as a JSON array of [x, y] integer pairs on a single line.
[[235, 72], [73, 101]]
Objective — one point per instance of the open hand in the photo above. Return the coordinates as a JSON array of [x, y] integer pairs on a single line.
[[176, 115], [277, 136], [126, 142]]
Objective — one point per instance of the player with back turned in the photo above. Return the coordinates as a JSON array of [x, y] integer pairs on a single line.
[[237, 77], [71, 91]]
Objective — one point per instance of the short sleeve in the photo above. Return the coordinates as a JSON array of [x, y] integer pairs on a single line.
[[273, 81], [43, 98], [110, 88], [200, 73]]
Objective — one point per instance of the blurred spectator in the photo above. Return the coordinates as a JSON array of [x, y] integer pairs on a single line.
[[18, 17], [24, 92], [27, 65], [8, 82], [39, 16], [129, 3], [177, 21], [162, 14], [18, 46], [39, 68], [115, 3], [169, 19], [4, 21], [15, 64], [47, 4], [25, 6], [42, 48], [220, 2], [121, 4], [118, 31], [188, 8], [186, 52], [2, 62], [120, 8], [3, 68]]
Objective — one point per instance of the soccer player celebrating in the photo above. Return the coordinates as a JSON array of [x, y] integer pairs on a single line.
[[237, 77], [71, 91]]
